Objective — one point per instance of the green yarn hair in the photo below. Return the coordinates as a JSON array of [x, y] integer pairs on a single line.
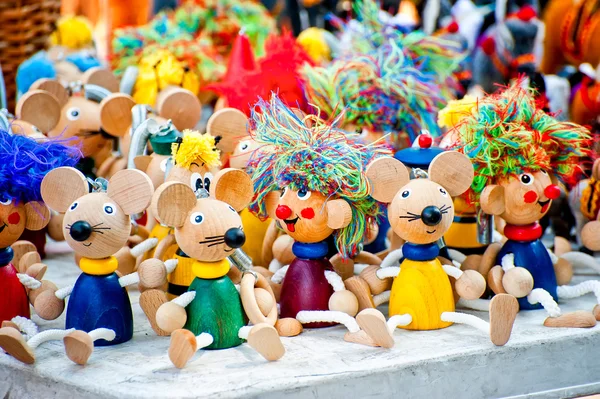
[[506, 134], [310, 154]]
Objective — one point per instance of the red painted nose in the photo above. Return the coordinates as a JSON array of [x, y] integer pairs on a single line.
[[283, 212], [552, 191]]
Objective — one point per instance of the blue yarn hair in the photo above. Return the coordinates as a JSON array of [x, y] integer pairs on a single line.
[[83, 60], [37, 67], [24, 162]]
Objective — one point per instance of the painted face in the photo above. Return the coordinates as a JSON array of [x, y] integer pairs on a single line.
[[212, 230], [242, 153], [197, 176], [156, 169], [12, 221], [528, 197], [95, 226], [303, 215], [421, 212]]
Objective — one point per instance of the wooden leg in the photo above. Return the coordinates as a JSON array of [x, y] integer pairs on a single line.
[[150, 301], [579, 319], [503, 311], [361, 290], [182, 348]]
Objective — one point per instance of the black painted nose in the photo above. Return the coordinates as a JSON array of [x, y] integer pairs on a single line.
[[431, 216], [235, 238], [80, 230]]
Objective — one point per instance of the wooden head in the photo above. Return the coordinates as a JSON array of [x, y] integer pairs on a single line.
[[231, 125], [206, 229], [421, 210], [96, 224], [522, 199], [16, 217], [242, 153]]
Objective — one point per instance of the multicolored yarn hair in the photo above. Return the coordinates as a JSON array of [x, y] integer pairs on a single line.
[[382, 90], [505, 134], [24, 162], [313, 155], [195, 147]]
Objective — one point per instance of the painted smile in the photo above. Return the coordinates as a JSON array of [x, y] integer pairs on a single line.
[[87, 244], [291, 224], [431, 232], [544, 205], [2, 228]]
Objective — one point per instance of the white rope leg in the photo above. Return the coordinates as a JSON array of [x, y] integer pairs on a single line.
[[475, 304], [382, 298], [575, 291], [63, 292], [26, 326], [399, 320], [334, 280], [386, 272], [452, 271], [28, 281], [456, 256], [329, 316], [275, 265], [507, 262], [143, 247], [244, 331], [185, 299], [203, 340], [102, 333], [279, 275], [541, 296], [579, 260], [129, 279], [468, 319], [392, 259], [48, 335]]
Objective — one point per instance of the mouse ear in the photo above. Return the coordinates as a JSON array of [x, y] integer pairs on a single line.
[[54, 87], [179, 105], [40, 108], [131, 189], [386, 176], [172, 202], [101, 77], [491, 200], [115, 114], [234, 187], [231, 125], [62, 186], [453, 171], [37, 215]]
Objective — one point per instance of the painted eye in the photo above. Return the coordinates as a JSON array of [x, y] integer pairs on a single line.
[[196, 181], [109, 208], [544, 172], [244, 145], [163, 164], [526, 179], [208, 177], [73, 206], [5, 200], [197, 218], [304, 195], [232, 210], [73, 113], [443, 192], [284, 192], [405, 193]]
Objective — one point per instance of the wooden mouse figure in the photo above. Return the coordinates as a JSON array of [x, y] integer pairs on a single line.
[[211, 314], [530, 151], [421, 211], [311, 180]]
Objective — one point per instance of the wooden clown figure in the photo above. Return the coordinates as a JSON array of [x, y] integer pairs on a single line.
[[519, 152], [311, 180]]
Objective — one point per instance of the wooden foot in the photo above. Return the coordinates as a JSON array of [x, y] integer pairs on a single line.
[[503, 311], [13, 343], [579, 319], [373, 322], [20, 248], [595, 312], [288, 327], [360, 337], [265, 340], [150, 301], [79, 346], [182, 348], [37, 271]]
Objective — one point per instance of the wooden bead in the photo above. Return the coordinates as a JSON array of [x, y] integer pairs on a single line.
[[78, 346], [376, 285], [578, 319], [46, 285], [282, 249], [150, 301], [367, 258], [152, 273], [170, 317], [517, 282], [48, 306], [361, 291], [564, 271], [596, 312], [494, 280], [344, 301], [288, 327], [264, 300], [470, 285]]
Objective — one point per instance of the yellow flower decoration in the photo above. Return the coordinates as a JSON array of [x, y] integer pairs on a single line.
[[196, 147], [455, 111], [313, 42]]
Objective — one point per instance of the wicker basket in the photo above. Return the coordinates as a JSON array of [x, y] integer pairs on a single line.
[[25, 26]]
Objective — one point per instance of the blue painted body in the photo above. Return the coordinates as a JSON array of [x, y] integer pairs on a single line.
[[533, 256], [100, 302], [379, 244]]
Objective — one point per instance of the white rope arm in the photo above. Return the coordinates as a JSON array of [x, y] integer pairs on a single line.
[[28, 281], [334, 280], [275, 265], [170, 265], [48, 335], [497, 236], [26, 326], [63, 292], [539, 295], [315, 316], [387, 272], [102, 333], [129, 279], [452, 271], [244, 331], [579, 260], [382, 298], [508, 262], [392, 259], [581, 289], [185, 299], [456, 256], [475, 304], [279, 275], [143, 247]]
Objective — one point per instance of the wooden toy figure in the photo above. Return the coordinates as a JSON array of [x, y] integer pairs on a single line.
[[97, 225], [211, 313], [519, 152], [420, 212], [311, 180]]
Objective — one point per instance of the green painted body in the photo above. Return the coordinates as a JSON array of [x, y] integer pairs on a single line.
[[217, 310]]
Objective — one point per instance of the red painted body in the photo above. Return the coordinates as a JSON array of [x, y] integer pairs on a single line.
[[306, 288], [13, 296]]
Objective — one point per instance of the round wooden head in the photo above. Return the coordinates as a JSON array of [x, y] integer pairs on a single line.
[[243, 152], [196, 176], [154, 165], [520, 200], [16, 217]]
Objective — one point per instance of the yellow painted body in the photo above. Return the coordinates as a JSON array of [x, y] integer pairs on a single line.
[[462, 235], [159, 231], [422, 289], [255, 231], [183, 274]]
